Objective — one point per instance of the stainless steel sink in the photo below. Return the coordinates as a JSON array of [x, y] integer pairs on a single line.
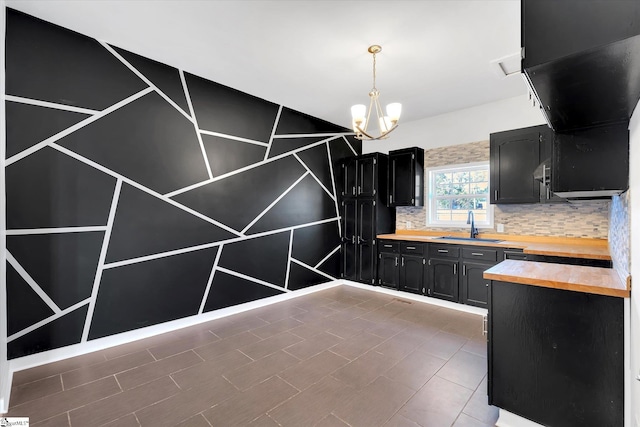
[[469, 239]]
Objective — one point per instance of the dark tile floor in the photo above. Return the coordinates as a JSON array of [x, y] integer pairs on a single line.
[[342, 356]]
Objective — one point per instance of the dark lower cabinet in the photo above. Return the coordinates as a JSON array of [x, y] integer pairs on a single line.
[[474, 288], [412, 273], [443, 279], [556, 357], [388, 271]]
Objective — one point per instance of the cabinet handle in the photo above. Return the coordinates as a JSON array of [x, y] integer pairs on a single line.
[[396, 261], [353, 240], [354, 190], [486, 284], [359, 190], [403, 261], [388, 246], [390, 198], [411, 248], [443, 251], [455, 269], [485, 324], [477, 253], [496, 194], [464, 269]]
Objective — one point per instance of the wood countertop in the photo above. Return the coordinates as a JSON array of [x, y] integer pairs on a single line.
[[552, 246], [593, 280]]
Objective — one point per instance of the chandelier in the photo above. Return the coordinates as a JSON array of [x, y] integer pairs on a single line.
[[361, 117]]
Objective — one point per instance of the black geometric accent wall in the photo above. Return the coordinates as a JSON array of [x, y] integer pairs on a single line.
[[138, 193]]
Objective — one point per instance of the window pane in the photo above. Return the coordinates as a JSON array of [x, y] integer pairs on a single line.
[[442, 178], [481, 175], [443, 215], [444, 204], [479, 187], [461, 177]]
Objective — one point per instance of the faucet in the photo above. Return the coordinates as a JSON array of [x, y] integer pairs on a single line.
[[470, 220]]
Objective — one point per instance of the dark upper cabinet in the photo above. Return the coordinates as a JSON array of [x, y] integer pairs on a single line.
[[514, 156], [582, 60], [364, 176], [591, 163], [406, 177]]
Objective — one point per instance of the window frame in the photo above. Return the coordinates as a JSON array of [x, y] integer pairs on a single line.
[[432, 198]]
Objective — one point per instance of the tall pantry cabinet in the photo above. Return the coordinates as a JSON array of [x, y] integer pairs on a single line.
[[364, 214]]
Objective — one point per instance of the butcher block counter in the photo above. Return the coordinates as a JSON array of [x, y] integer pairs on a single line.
[[592, 280], [572, 247]]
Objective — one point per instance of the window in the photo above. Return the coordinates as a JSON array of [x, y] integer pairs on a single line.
[[455, 190]]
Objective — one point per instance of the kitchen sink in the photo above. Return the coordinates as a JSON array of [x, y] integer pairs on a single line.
[[469, 239]]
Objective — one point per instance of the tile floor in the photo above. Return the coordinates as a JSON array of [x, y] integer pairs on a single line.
[[342, 356]]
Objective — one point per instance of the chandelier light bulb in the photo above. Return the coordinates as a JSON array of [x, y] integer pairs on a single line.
[[394, 110], [358, 112]]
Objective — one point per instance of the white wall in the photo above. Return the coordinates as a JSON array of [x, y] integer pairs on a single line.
[[5, 383], [462, 126], [634, 208]]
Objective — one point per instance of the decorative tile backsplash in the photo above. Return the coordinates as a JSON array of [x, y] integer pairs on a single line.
[[578, 219], [619, 233]]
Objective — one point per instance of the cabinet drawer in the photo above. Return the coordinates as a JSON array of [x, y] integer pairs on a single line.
[[411, 248], [447, 251], [480, 254], [389, 246]]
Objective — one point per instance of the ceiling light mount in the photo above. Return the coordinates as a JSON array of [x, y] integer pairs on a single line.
[[361, 116]]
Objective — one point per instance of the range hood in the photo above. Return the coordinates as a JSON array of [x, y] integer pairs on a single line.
[[588, 164]]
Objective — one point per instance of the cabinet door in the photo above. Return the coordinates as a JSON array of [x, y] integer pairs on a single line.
[[349, 234], [388, 270], [366, 177], [401, 179], [349, 177], [474, 287], [443, 279], [412, 273], [514, 157], [365, 240]]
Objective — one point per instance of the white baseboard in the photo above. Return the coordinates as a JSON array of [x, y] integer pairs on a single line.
[[55, 355], [507, 419], [419, 298]]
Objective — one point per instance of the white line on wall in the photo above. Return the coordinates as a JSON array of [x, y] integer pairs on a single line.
[[252, 279], [249, 167], [312, 268], [145, 79], [103, 255], [268, 208], [48, 320], [349, 145], [327, 257], [195, 123], [235, 138], [27, 278], [211, 245], [286, 277], [311, 135], [47, 104], [273, 131], [75, 127], [142, 187], [210, 281], [314, 176], [333, 185], [28, 231]]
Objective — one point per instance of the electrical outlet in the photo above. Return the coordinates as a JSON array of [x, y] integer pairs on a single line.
[[500, 228], [407, 224]]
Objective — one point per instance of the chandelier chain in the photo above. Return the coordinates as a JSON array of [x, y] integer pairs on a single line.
[[374, 72]]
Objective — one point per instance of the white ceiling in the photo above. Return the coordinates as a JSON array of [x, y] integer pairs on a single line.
[[312, 55]]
